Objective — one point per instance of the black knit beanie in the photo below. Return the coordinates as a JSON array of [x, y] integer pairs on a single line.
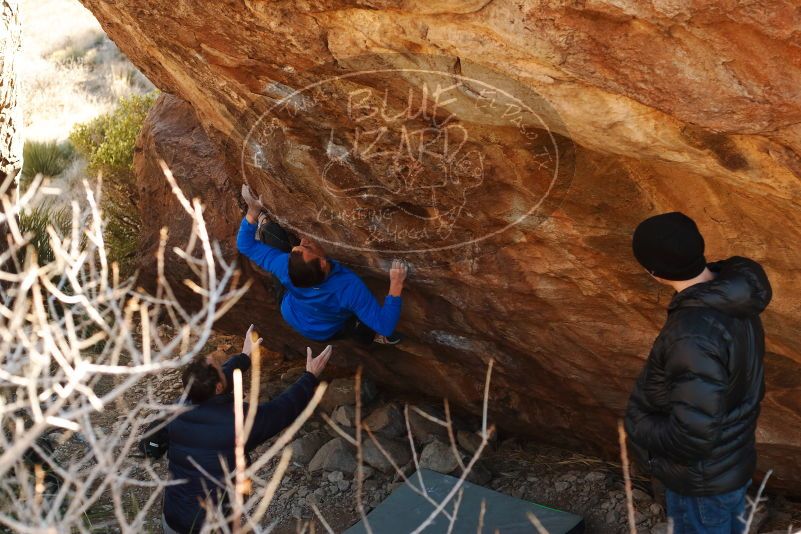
[[670, 246]]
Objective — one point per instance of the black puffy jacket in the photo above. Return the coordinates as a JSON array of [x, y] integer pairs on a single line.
[[202, 443], [693, 413]]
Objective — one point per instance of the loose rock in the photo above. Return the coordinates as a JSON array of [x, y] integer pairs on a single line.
[[387, 420], [469, 441], [595, 476], [438, 457], [424, 430], [336, 455], [479, 474], [341, 392], [367, 472], [344, 415], [304, 448], [397, 450]]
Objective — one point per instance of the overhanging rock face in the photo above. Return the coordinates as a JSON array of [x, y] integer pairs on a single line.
[[507, 150]]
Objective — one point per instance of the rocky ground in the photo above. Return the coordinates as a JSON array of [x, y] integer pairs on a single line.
[[534, 472], [323, 468]]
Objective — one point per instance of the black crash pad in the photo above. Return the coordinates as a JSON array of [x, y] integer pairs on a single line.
[[403, 511]]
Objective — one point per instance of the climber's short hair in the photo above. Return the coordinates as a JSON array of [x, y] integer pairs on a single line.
[[305, 273], [201, 378]]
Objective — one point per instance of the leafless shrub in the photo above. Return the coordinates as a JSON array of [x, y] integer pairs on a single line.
[[74, 337], [624, 457]]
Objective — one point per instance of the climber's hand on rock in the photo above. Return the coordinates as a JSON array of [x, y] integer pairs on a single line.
[[253, 203], [316, 365], [397, 275]]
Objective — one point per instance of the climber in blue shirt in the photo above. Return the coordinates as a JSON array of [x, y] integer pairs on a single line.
[[321, 299]]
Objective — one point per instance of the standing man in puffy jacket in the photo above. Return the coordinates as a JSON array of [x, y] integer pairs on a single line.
[[693, 413]]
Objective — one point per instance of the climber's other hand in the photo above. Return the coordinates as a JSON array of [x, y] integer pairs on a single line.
[[397, 275], [254, 204]]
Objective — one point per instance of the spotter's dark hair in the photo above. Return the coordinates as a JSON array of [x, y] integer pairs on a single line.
[[201, 378]]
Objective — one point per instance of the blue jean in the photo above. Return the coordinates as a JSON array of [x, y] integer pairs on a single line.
[[715, 514]]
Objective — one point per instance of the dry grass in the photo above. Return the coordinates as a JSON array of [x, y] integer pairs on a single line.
[[70, 72]]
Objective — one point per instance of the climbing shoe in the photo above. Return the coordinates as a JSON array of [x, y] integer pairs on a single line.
[[263, 221]]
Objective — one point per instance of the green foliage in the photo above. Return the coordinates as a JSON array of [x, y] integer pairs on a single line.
[[37, 220], [107, 143], [46, 157]]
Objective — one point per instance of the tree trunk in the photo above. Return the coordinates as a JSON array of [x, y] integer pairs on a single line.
[[10, 116]]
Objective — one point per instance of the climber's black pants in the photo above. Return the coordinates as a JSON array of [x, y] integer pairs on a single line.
[[271, 234], [356, 330]]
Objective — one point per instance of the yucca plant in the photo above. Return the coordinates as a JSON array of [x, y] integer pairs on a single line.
[[36, 221], [49, 158]]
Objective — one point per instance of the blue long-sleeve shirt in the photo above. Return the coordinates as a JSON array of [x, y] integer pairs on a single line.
[[204, 436], [320, 312]]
